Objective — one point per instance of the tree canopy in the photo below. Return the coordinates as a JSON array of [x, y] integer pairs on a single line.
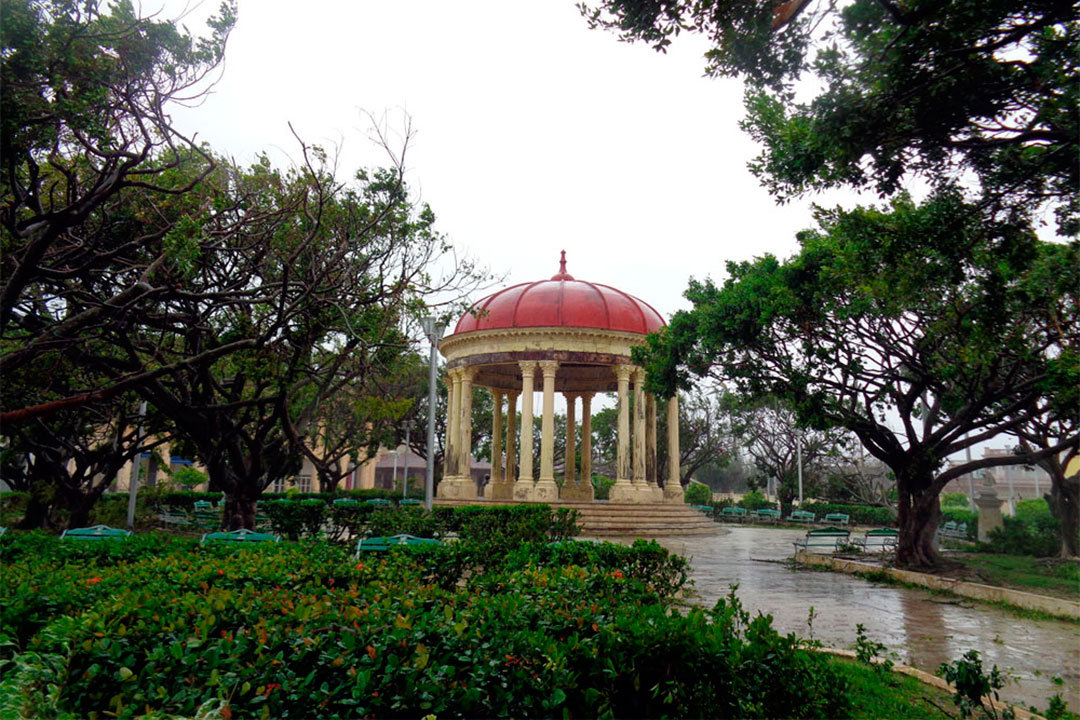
[[922, 327], [867, 93]]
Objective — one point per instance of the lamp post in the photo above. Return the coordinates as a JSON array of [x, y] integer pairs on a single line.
[[434, 331], [405, 481], [136, 465], [798, 443]]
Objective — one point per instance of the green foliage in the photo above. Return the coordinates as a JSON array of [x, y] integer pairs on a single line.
[[574, 629], [188, 476], [973, 686], [1039, 535], [870, 652], [899, 89], [602, 487], [1031, 510], [857, 514], [698, 494], [756, 501], [958, 500]]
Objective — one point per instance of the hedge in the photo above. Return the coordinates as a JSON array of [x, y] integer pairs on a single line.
[[305, 629], [857, 514]]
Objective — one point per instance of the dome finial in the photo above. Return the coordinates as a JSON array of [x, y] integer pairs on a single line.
[[562, 275]]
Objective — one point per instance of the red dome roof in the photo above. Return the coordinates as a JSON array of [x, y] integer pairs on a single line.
[[561, 301]]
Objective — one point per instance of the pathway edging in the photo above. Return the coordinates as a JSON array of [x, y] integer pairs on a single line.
[[1029, 601]]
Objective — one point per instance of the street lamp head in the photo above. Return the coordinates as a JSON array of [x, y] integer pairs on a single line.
[[432, 329]]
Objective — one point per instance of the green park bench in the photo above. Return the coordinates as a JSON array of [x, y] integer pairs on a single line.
[[380, 502], [410, 502], [707, 509], [801, 516], [766, 515], [735, 514], [835, 519], [96, 532], [879, 540], [345, 502], [384, 543], [239, 536], [828, 537], [203, 505], [954, 530], [3, 530], [206, 519], [173, 517]]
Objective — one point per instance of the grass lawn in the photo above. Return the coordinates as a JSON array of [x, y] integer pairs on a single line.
[[891, 695], [1045, 576]]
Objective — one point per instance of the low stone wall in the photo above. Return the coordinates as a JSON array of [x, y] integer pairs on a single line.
[[1029, 601]]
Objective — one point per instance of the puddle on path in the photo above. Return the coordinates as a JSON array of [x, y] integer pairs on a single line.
[[923, 629]]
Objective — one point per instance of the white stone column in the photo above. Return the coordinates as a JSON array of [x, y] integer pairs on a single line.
[[496, 436], [673, 491], [453, 423], [546, 488], [523, 488], [639, 427], [465, 455], [511, 438], [623, 469], [570, 466], [650, 440], [586, 439]]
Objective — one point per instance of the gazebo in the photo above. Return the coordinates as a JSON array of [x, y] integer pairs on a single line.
[[563, 335]]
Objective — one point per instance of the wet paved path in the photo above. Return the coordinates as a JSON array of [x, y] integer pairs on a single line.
[[924, 630]]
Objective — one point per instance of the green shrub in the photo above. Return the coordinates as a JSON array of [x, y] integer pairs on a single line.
[[304, 629], [1031, 511], [755, 501], [857, 514], [602, 487], [698, 494], [959, 500], [1040, 537], [188, 476], [12, 507]]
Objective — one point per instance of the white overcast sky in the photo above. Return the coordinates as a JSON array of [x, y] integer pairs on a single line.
[[533, 134]]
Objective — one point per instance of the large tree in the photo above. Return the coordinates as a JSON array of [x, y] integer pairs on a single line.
[[986, 88], [978, 100], [769, 432], [920, 336], [88, 155]]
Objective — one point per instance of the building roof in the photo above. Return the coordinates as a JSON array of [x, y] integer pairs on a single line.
[[561, 301]]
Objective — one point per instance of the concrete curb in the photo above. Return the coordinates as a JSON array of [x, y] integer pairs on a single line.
[[934, 680], [1030, 601]]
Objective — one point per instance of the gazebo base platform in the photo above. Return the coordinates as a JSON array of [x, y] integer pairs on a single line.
[[613, 519]]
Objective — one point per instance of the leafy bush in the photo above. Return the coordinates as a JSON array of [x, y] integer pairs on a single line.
[[1040, 537], [698, 494], [602, 487], [296, 630], [857, 514], [188, 476], [959, 500], [755, 501], [1031, 511]]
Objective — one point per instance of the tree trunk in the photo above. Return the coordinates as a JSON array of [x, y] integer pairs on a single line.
[[36, 515], [918, 514], [1064, 501], [240, 507]]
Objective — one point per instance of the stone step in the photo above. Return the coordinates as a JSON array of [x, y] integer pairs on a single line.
[[604, 519]]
